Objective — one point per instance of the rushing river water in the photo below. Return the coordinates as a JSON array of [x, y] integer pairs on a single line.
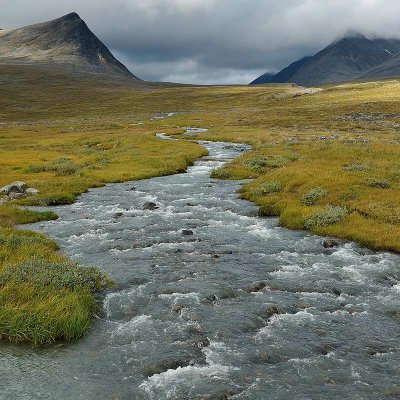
[[240, 309]]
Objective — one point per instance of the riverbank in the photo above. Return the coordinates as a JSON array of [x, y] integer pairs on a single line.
[[45, 297], [327, 163], [331, 187]]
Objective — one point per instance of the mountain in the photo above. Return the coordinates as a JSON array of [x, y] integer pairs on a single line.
[[266, 78], [283, 76], [65, 41], [389, 68], [343, 60]]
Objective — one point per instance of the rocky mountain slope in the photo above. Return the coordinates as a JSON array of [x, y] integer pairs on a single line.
[[390, 68], [65, 41], [352, 57], [283, 76]]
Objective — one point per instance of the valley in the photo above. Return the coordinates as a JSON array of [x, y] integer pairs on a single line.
[[193, 241]]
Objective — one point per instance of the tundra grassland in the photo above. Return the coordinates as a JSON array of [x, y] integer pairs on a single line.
[[324, 160]]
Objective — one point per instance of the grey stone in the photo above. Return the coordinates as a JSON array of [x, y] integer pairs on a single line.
[[329, 243], [32, 191], [256, 287], [15, 195], [16, 187], [149, 205]]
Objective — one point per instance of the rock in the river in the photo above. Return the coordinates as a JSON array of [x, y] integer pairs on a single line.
[[256, 287], [211, 298], [271, 311], [204, 342], [177, 308], [330, 243], [118, 215], [166, 365], [264, 356], [149, 205], [325, 349], [187, 232]]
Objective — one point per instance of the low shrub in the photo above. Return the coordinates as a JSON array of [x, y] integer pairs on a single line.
[[348, 196], [267, 188], [61, 166], [220, 173], [354, 167], [379, 183], [312, 196], [262, 163], [327, 216]]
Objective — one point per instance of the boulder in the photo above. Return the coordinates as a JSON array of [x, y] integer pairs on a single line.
[[165, 365], [149, 205], [256, 287], [187, 232], [32, 191], [211, 298], [324, 349], [5, 189], [271, 311], [16, 187], [330, 243], [177, 308], [15, 195], [118, 215]]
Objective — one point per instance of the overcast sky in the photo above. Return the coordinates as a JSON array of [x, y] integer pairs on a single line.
[[212, 41]]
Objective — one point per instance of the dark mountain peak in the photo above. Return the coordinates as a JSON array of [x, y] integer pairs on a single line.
[[69, 17], [283, 76], [70, 24], [351, 34], [345, 59], [268, 77], [66, 41]]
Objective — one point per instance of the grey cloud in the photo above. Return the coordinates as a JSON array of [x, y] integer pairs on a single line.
[[213, 41]]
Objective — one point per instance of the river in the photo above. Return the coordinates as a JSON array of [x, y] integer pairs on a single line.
[[214, 302]]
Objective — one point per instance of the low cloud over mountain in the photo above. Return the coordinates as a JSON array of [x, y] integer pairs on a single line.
[[213, 41]]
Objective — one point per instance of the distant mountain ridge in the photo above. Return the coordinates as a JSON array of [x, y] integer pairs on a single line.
[[352, 57], [65, 41]]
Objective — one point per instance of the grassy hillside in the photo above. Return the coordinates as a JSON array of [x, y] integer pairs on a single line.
[[324, 160]]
